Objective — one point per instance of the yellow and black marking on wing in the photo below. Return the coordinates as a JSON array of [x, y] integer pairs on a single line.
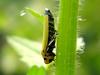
[[48, 38]]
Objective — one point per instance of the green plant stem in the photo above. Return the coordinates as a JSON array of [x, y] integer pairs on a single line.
[[66, 40]]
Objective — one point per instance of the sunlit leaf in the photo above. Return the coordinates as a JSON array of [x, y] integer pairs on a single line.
[[28, 50]]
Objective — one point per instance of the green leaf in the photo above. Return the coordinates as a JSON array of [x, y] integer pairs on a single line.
[[41, 71], [33, 71], [35, 14], [36, 71]]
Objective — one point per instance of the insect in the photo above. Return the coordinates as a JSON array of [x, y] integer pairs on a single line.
[[49, 36]]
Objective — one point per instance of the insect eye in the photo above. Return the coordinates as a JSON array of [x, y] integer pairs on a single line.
[[45, 59]]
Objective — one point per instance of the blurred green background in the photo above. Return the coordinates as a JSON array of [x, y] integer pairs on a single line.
[[12, 24]]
